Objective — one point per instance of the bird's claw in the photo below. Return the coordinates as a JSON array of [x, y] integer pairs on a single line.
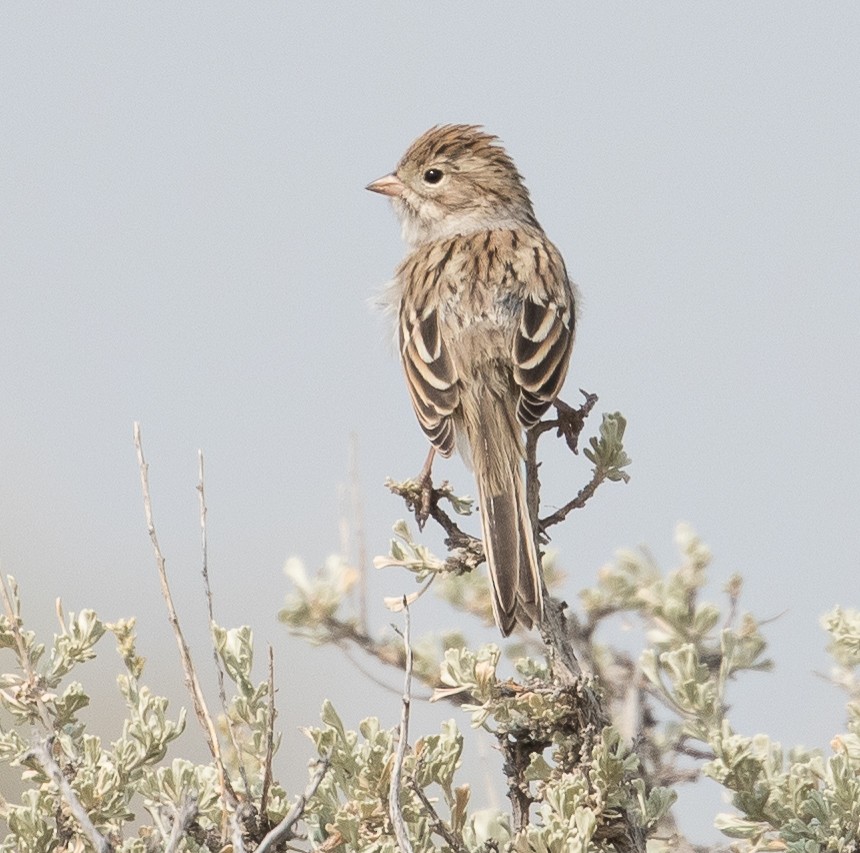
[[423, 505], [571, 421]]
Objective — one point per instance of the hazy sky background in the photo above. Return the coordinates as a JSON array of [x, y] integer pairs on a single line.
[[186, 241]]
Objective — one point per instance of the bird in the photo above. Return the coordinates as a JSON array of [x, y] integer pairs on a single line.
[[486, 318]]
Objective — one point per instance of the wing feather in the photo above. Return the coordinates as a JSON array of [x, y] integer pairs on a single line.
[[544, 338], [430, 376]]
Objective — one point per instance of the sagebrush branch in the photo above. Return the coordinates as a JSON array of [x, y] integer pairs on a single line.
[[183, 816], [437, 825], [42, 754], [284, 830]]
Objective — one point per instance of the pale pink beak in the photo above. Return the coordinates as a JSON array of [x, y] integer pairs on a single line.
[[387, 185]]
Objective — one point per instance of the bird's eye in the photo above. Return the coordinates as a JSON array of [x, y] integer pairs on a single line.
[[433, 176]]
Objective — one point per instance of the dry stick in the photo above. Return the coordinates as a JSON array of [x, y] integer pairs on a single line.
[[357, 512], [436, 823], [191, 681], [42, 754], [270, 738], [284, 830], [343, 522], [347, 653], [204, 548], [394, 809], [582, 497], [341, 633], [204, 543]]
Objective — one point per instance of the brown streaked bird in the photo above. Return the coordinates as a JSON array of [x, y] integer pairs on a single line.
[[486, 323]]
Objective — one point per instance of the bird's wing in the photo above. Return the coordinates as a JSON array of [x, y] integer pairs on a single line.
[[544, 337], [430, 374]]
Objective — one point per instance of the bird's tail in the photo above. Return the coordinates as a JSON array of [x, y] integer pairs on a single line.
[[496, 448]]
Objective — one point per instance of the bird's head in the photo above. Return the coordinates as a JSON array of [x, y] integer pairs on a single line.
[[455, 179]]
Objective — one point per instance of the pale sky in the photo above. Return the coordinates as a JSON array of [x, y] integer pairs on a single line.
[[186, 241]]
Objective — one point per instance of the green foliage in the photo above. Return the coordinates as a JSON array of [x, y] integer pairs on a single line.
[[802, 802], [352, 802], [591, 758], [408, 554], [606, 451], [313, 603], [580, 781], [108, 780], [844, 629]]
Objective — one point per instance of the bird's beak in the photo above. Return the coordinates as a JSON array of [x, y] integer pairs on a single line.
[[387, 185]]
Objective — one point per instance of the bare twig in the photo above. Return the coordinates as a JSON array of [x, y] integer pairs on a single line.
[[395, 810], [182, 818], [42, 754], [270, 738], [204, 546], [191, 680], [582, 497], [222, 693], [569, 423], [357, 513], [466, 552], [343, 521], [573, 420], [284, 830], [388, 688], [343, 633], [436, 823], [691, 752], [413, 493]]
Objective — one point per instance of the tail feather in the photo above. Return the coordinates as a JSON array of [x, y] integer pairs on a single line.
[[512, 558]]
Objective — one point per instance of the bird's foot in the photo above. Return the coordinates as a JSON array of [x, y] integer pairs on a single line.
[[571, 421], [419, 494], [424, 497]]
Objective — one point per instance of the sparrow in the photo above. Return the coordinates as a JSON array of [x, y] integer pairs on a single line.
[[486, 321]]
